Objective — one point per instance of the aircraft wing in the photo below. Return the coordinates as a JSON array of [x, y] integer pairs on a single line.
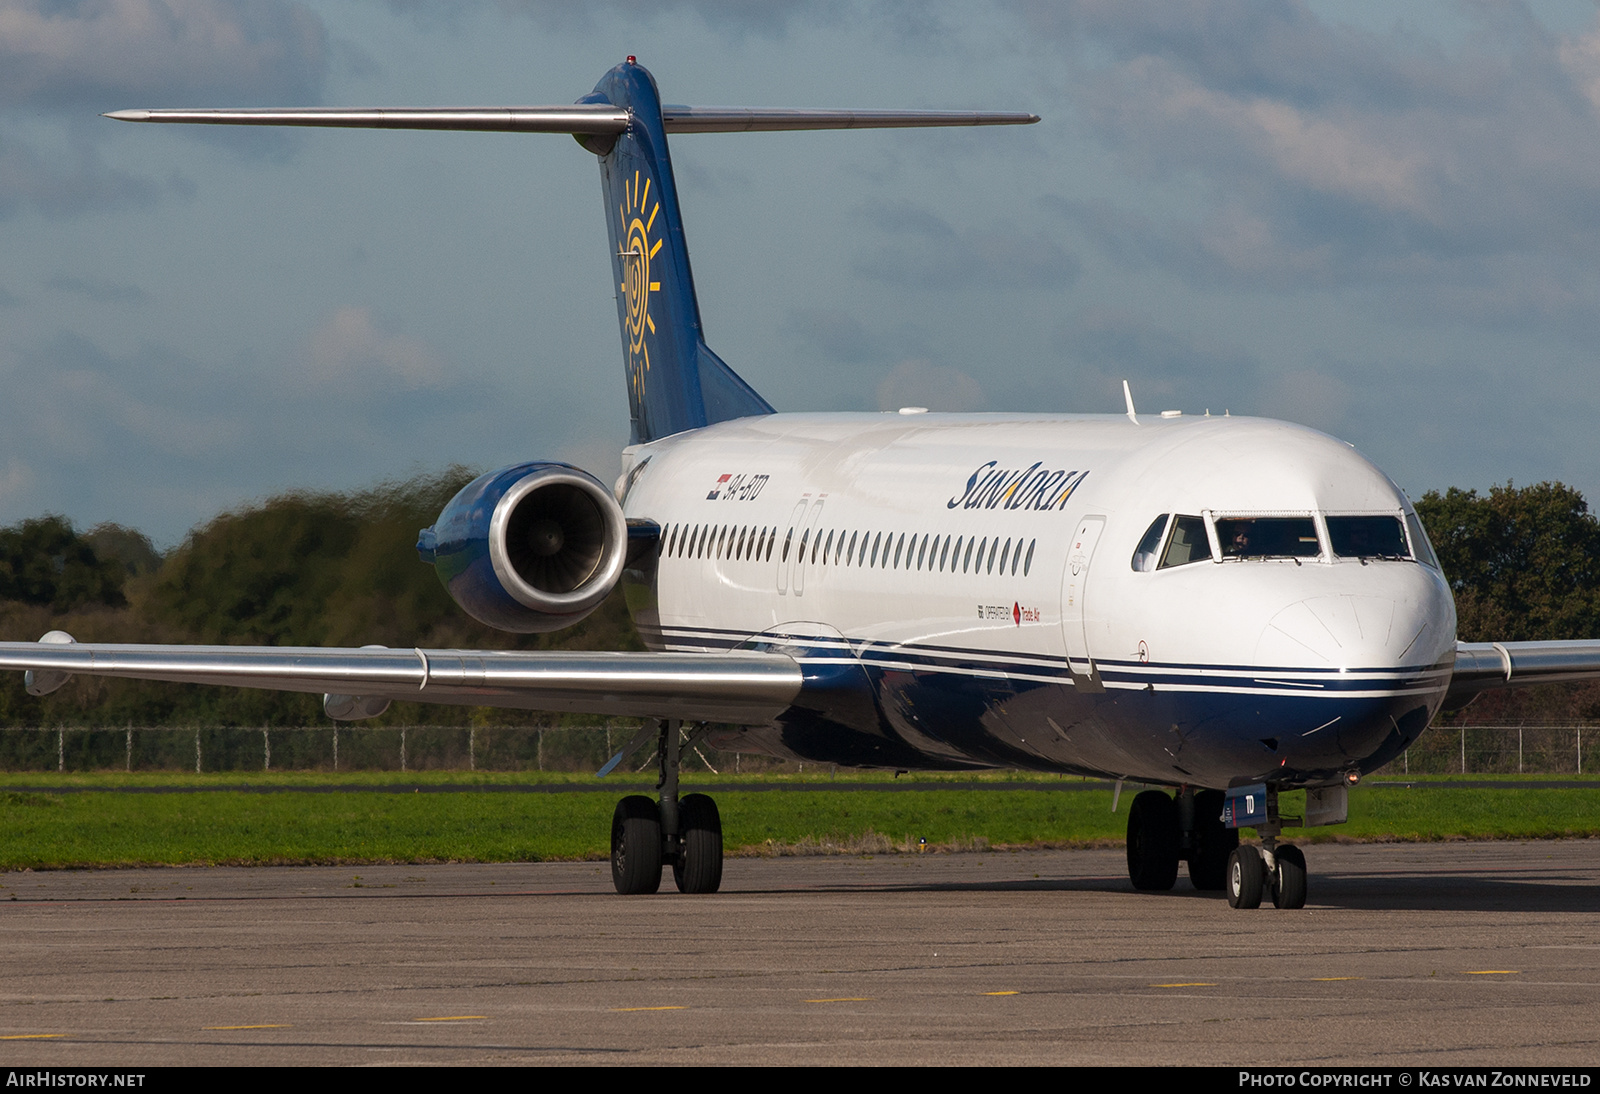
[[745, 688], [1483, 666]]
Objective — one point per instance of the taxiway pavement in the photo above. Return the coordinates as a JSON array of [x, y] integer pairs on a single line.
[[1406, 954]]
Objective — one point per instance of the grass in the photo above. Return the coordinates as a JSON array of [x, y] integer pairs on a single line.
[[97, 826]]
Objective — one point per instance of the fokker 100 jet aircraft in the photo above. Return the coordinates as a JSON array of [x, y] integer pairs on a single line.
[[1226, 606]]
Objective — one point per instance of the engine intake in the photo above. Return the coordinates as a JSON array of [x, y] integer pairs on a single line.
[[533, 547]]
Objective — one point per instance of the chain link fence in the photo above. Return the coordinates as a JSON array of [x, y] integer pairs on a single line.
[[1442, 750], [1502, 750], [346, 748]]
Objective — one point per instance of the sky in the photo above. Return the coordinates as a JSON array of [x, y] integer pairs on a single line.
[[1382, 225]]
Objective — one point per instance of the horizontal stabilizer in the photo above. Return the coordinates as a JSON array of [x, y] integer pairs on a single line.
[[745, 688], [739, 119], [582, 118]]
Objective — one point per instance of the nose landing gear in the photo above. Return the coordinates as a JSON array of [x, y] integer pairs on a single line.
[[1273, 868]]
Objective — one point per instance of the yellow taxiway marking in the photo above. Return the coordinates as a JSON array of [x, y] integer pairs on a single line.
[[1187, 984], [1490, 972], [452, 1018], [1002, 993], [1330, 979], [281, 1025], [846, 999], [627, 1010], [29, 1036]]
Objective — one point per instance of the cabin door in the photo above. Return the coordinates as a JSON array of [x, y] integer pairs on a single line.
[[1074, 596]]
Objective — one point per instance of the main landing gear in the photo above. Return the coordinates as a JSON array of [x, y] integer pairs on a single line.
[[1165, 829], [647, 836]]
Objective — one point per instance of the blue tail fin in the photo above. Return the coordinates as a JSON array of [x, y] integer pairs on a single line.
[[675, 382]]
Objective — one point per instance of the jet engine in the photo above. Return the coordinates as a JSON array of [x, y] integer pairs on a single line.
[[532, 547]]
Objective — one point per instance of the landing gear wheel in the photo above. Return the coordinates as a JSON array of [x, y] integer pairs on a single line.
[[1213, 843], [1289, 880], [1246, 875], [636, 845], [698, 868], [1153, 841]]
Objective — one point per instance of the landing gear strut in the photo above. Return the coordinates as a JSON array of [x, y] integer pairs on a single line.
[[647, 836]]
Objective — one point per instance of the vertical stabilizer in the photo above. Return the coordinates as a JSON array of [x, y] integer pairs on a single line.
[[675, 382]]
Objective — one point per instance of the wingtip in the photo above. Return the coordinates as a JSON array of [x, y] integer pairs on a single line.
[[127, 115]]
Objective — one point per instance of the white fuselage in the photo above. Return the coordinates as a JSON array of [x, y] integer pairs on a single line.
[[979, 569]]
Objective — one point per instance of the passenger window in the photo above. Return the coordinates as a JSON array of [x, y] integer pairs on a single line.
[[1188, 543], [1144, 556], [1268, 537], [1367, 537]]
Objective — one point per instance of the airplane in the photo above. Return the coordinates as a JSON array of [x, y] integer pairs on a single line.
[[1225, 606]]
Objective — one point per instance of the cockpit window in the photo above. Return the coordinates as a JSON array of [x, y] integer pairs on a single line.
[[1419, 542], [1144, 559], [1268, 537], [1367, 537], [1188, 543]]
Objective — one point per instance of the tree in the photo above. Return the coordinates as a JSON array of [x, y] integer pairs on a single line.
[[44, 561], [1524, 564]]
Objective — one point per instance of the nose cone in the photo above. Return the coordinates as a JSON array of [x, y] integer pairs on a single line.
[[1377, 644], [1400, 615]]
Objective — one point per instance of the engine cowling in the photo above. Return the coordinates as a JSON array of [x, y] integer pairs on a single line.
[[532, 547]]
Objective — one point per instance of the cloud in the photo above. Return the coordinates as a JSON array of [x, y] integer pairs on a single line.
[[1295, 151], [104, 53], [61, 63], [734, 19], [922, 250], [350, 349], [920, 383], [16, 479], [834, 334], [71, 183], [98, 289]]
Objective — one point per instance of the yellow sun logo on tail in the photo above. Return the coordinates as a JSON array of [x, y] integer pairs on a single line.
[[638, 213]]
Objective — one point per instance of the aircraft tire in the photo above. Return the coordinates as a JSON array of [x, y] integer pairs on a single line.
[[698, 868], [1213, 843], [1246, 877], [636, 846], [1153, 841], [1289, 880]]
